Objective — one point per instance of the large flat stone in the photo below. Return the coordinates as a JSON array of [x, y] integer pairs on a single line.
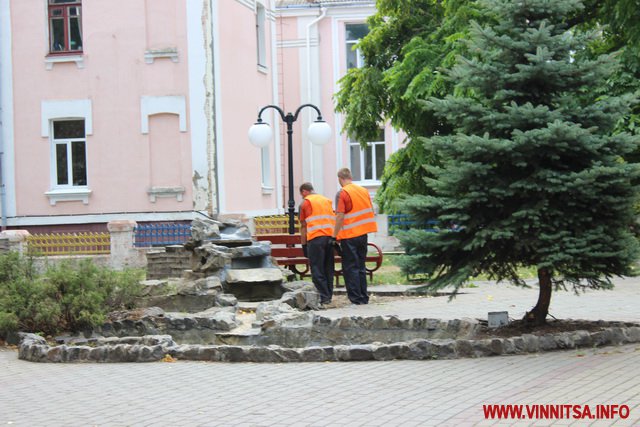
[[253, 275]]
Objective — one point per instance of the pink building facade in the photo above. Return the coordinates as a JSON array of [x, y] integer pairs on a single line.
[[139, 109], [316, 40]]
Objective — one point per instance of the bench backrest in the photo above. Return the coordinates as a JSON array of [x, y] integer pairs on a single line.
[[283, 245]]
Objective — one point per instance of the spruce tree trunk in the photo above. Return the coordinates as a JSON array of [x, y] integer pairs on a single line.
[[538, 315]]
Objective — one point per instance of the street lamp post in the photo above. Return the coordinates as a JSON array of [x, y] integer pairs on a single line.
[[260, 135]]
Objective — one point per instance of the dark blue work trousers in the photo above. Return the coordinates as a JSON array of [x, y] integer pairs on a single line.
[[354, 254], [322, 266]]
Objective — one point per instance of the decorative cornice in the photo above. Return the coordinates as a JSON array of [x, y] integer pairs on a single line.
[[152, 54], [314, 41]]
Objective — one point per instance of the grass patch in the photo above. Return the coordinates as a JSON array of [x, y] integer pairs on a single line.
[[389, 273]]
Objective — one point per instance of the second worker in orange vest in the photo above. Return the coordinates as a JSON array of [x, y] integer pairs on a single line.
[[317, 222], [354, 220]]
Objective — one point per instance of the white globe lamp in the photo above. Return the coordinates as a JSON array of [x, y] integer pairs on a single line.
[[260, 134], [319, 132]]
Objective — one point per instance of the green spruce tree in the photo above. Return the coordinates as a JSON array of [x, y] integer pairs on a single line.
[[532, 174]]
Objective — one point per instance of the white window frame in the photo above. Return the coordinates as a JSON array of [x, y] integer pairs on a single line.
[[67, 192], [68, 143], [350, 43], [54, 110], [261, 36], [362, 160], [265, 162]]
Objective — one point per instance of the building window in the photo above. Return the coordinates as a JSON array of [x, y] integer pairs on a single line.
[[65, 26], [354, 32], [70, 155], [261, 35], [265, 163], [367, 164]]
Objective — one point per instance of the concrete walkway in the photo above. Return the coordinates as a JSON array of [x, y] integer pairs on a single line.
[[622, 303], [395, 393]]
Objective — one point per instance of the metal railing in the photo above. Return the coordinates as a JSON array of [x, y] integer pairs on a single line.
[[81, 243], [403, 222], [274, 224], [162, 234]]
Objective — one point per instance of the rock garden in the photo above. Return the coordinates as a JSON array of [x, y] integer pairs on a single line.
[[234, 305]]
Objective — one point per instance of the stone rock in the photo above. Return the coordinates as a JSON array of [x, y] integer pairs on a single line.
[[257, 249], [152, 312], [509, 346], [295, 285], [382, 352], [209, 258], [269, 309], [287, 274], [224, 321], [226, 300], [633, 334], [253, 275], [464, 348], [360, 352], [531, 343], [295, 319], [209, 283], [615, 335], [205, 229], [482, 348], [151, 288], [547, 342], [182, 303], [422, 349], [445, 349], [304, 298], [234, 230], [519, 345], [564, 341], [312, 354]]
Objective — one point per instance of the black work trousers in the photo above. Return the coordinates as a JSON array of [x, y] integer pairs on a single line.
[[322, 266], [354, 255]]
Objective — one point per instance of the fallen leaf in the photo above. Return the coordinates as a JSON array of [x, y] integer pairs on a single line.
[[168, 358]]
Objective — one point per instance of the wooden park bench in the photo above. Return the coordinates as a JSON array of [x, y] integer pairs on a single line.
[[287, 250]]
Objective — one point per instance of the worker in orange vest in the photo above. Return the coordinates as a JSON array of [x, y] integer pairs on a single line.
[[317, 222], [354, 220]]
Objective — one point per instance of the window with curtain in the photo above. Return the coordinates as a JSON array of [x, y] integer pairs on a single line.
[[65, 26]]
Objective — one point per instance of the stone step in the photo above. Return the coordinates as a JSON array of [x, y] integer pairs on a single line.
[[253, 275]]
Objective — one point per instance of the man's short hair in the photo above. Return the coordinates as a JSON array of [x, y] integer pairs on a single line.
[[344, 173], [306, 186]]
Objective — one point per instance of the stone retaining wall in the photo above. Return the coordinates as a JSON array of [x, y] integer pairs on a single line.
[[154, 348], [169, 261], [4, 245]]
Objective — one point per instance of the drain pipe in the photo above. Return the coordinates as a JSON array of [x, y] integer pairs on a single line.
[[323, 13], [3, 196]]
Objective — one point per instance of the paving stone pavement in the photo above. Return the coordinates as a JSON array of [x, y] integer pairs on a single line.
[[622, 303], [393, 393], [396, 393]]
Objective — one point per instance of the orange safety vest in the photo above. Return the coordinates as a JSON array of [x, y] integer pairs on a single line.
[[322, 220], [361, 219]]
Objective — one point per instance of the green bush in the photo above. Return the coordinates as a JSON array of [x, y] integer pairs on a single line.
[[66, 297]]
